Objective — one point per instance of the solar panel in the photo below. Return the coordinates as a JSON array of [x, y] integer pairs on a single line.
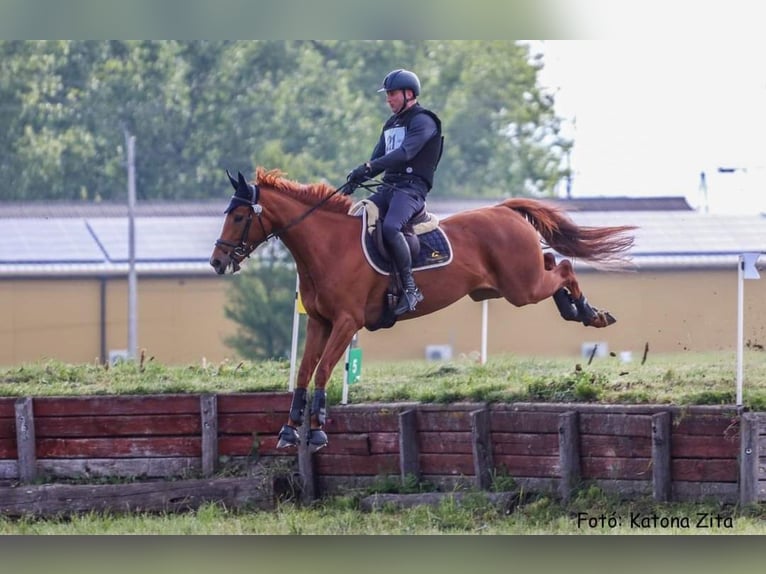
[[159, 238], [47, 241]]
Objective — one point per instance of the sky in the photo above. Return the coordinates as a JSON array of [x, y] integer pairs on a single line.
[[649, 116]]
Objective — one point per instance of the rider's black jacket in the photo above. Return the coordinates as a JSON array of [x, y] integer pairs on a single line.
[[410, 145]]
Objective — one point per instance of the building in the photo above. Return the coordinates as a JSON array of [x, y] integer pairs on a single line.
[[63, 287]]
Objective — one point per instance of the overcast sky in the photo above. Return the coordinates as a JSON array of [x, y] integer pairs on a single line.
[[648, 116]]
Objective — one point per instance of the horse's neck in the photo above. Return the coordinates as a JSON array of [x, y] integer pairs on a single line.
[[305, 239]]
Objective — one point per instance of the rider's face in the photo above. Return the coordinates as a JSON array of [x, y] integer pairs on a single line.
[[395, 100]]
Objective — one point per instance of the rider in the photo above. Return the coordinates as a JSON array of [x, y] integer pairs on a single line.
[[408, 151]]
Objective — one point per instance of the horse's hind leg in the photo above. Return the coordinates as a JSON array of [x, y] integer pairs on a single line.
[[317, 334], [570, 300]]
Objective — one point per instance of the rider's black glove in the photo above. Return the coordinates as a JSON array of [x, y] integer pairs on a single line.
[[358, 174]]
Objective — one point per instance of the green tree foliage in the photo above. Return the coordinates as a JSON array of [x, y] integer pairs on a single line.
[[261, 301], [309, 108]]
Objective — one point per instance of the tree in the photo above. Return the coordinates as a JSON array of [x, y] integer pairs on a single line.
[[261, 302], [309, 108]]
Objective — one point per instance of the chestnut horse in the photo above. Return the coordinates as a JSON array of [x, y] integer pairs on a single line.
[[497, 252]]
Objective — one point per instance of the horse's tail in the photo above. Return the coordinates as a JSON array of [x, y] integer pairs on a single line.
[[603, 246]]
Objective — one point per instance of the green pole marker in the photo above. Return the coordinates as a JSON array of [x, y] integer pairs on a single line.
[[354, 365]]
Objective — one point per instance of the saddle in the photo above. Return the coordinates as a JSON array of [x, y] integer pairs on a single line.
[[429, 246]]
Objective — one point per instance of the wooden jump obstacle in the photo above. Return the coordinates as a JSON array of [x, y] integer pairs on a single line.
[[663, 451]]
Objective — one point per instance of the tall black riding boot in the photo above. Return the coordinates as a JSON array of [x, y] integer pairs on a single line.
[[411, 295]]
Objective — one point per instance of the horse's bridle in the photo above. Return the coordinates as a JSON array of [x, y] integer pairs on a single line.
[[240, 251]]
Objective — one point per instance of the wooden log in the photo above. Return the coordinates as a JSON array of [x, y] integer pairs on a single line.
[[615, 424], [481, 441], [701, 470], [409, 451], [524, 422], [141, 468], [351, 465], [209, 422], [118, 447], [450, 464], [546, 444], [531, 466], [661, 445], [8, 427], [159, 496], [704, 446], [234, 423], [93, 426], [25, 440], [276, 402], [569, 454], [616, 468], [117, 405], [748, 460], [506, 501], [615, 446]]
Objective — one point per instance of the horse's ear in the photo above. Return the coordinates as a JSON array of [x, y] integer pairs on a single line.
[[242, 181], [232, 180]]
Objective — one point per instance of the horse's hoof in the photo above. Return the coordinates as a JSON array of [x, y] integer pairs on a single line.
[[601, 319], [317, 440], [288, 436]]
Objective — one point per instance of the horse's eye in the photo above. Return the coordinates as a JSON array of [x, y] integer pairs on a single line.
[[238, 218]]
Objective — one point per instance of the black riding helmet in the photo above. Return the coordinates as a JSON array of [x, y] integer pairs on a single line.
[[401, 80]]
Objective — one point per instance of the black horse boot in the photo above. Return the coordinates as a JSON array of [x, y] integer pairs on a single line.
[[411, 295]]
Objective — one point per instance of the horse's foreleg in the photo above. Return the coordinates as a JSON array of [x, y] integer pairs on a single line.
[[317, 334], [343, 330]]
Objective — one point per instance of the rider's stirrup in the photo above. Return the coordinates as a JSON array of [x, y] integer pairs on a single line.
[[408, 300]]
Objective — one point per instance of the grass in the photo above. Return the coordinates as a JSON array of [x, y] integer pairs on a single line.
[[589, 512], [679, 379]]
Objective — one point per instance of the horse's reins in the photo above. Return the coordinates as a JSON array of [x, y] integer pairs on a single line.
[[243, 250]]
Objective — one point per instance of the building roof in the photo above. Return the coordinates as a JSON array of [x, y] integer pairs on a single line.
[[176, 238]]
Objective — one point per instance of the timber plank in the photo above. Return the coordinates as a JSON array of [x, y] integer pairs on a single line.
[[616, 468], [243, 445], [155, 496], [704, 446], [533, 466], [8, 448], [445, 442], [8, 427], [443, 421], [502, 420], [254, 403], [526, 444], [382, 442], [250, 422], [344, 464], [700, 470], [117, 425], [167, 467], [116, 405], [721, 425], [7, 409], [451, 464], [616, 446], [384, 420], [616, 424], [118, 447]]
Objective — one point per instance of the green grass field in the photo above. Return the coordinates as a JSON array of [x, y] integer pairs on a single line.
[[683, 379]]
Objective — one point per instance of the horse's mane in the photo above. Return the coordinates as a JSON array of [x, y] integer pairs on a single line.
[[309, 194]]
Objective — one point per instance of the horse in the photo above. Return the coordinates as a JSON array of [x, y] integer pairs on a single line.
[[498, 251]]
